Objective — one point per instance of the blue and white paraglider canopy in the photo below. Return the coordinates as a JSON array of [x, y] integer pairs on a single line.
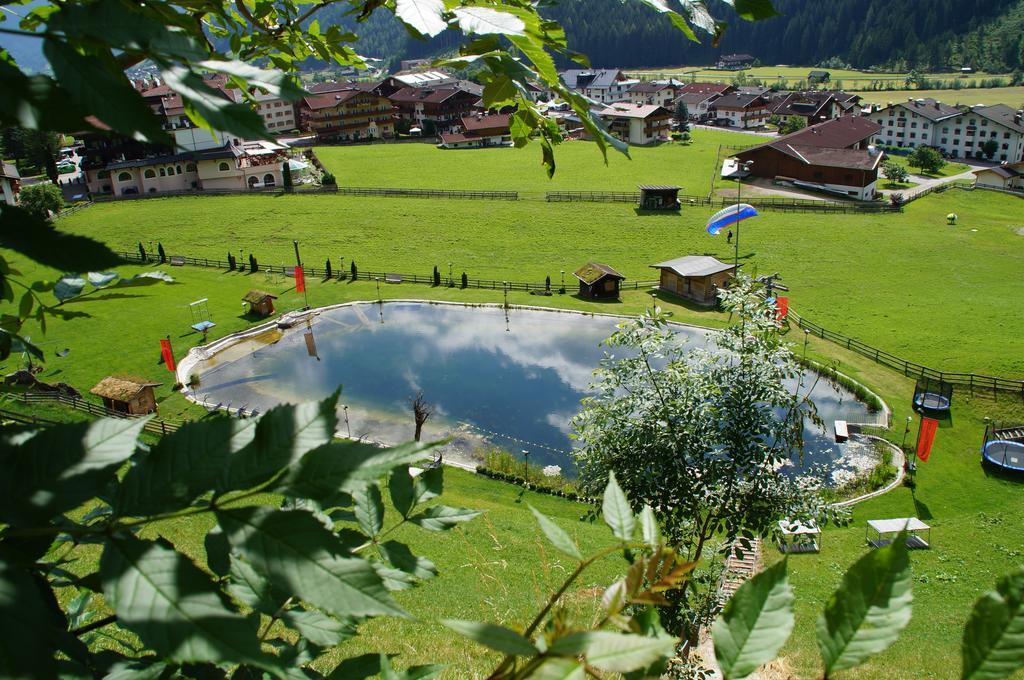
[[726, 217]]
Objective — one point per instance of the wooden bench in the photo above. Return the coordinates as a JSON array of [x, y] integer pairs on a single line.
[[392, 278], [177, 260]]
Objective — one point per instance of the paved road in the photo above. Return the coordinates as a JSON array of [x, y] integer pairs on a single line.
[[925, 183]]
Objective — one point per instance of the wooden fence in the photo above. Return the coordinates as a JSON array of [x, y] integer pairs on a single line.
[[430, 193], [911, 369], [770, 203], [160, 427]]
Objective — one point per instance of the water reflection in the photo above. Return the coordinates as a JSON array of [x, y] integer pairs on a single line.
[[514, 377]]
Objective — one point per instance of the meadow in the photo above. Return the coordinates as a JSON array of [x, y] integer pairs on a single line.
[[909, 283], [852, 79], [1011, 96]]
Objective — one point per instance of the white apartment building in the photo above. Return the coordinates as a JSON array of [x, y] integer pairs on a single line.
[[958, 132], [602, 85], [278, 114]]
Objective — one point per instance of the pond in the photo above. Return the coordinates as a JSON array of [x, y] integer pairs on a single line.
[[512, 379]]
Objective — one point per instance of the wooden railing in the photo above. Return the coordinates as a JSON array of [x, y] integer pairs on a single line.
[[160, 427]]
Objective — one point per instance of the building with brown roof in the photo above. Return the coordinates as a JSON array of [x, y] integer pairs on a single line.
[[661, 94], [598, 281], [639, 125], [127, 394], [694, 277], [735, 62], [479, 130], [261, 303], [440, 108], [834, 157], [742, 110], [347, 113], [1007, 176]]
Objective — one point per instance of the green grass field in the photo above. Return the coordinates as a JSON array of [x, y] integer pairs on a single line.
[[1011, 96], [851, 79], [948, 170], [946, 296], [579, 166]]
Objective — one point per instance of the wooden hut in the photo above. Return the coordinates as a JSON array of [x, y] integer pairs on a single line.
[[261, 303], [598, 281], [127, 394], [659, 197], [695, 277]]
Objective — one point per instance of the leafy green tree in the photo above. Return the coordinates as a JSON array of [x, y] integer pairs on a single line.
[[927, 158], [792, 124], [682, 116], [989, 148], [41, 200], [894, 172], [663, 407]]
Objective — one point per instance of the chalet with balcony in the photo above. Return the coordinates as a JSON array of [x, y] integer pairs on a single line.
[[479, 130], [605, 85], [440, 108], [661, 94], [742, 110], [638, 124], [347, 112], [735, 62]]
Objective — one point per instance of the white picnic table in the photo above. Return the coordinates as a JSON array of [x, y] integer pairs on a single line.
[[799, 537], [886, 531]]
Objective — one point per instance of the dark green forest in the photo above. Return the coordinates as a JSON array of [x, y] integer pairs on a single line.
[[901, 34]]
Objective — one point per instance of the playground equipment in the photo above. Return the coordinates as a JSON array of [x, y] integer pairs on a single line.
[[933, 396], [1004, 447], [201, 320]]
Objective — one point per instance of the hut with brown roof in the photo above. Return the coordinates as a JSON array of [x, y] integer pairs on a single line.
[[127, 394], [261, 303], [598, 281]]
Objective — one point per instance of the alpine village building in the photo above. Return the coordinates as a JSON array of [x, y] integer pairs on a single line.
[[347, 112]]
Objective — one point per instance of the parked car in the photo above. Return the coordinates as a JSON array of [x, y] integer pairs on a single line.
[[65, 167]]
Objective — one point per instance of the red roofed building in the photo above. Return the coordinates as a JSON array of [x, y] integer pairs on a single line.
[[347, 112], [834, 157], [479, 130], [441, 107]]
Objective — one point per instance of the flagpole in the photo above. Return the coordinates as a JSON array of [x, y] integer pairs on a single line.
[[739, 197]]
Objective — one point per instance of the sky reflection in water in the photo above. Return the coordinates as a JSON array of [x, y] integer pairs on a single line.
[[522, 379]]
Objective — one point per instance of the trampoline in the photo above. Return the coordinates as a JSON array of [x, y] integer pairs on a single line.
[[1003, 446], [932, 396]]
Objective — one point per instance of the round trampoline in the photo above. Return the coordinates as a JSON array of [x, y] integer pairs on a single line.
[[1008, 455], [930, 401]]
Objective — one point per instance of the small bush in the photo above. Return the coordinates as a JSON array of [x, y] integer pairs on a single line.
[[328, 180], [193, 380]]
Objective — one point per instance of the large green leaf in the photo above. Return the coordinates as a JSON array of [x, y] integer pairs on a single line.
[[300, 556], [53, 470], [408, 491], [615, 652], [755, 623], [210, 108], [442, 517], [498, 638], [369, 509], [273, 81], [283, 435], [319, 628], [870, 608], [173, 607], [27, 638], [616, 511], [993, 644], [558, 536], [649, 527], [423, 15], [94, 87], [559, 668], [402, 558], [754, 10], [253, 590], [183, 465], [344, 466]]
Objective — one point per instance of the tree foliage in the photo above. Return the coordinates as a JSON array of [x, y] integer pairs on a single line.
[[894, 172], [927, 158], [41, 200], [792, 124]]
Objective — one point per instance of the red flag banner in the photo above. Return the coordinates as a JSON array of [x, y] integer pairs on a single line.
[[300, 281], [168, 354], [781, 308], [926, 437]]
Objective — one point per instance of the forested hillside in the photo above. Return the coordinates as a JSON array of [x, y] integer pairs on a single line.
[[904, 34]]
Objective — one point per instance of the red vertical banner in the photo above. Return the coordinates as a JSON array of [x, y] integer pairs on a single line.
[[168, 354], [300, 280], [781, 308], [926, 437]]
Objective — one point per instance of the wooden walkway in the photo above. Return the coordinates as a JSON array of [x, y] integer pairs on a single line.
[[739, 569]]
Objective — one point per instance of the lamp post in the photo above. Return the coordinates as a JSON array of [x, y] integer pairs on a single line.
[[298, 260], [806, 335], [504, 288], [379, 300], [906, 431], [739, 191]]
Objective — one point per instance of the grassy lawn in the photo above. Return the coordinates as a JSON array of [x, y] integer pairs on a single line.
[[908, 283], [851, 79], [579, 166], [898, 185], [948, 170]]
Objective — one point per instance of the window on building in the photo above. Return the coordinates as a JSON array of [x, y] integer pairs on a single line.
[[149, 174], [1006, 146], [913, 125], [190, 167], [984, 122], [924, 125], [946, 130], [969, 143], [163, 173], [1002, 156], [943, 140], [959, 120], [956, 131], [1006, 135], [103, 174], [268, 180], [178, 168], [913, 135], [956, 142], [223, 167], [124, 177]]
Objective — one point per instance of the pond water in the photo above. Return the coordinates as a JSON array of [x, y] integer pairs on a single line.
[[514, 380]]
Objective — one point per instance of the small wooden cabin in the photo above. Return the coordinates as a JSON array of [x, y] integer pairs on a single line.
[[659, 197], [260, 302], [133, 396], [598, 281], [695, 277]]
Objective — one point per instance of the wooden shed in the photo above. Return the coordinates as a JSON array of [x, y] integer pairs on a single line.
[[598, 281], [659, 196], [127, 394], [695, 277], [261, 303]]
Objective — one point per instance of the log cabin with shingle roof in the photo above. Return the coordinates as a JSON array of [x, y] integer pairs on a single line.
[[127, 394]]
